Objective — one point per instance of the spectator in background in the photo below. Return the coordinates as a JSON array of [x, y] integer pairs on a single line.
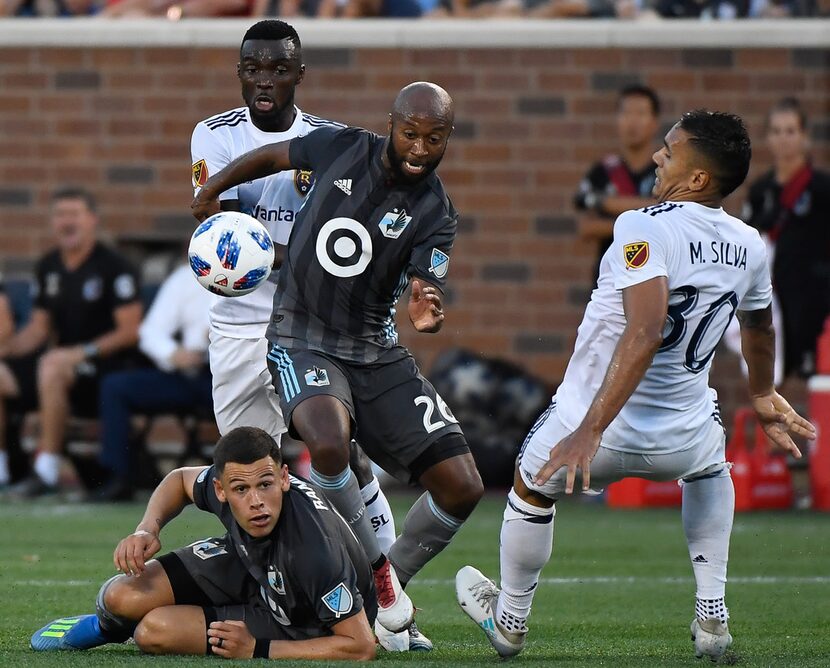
[[87, 312], [791, 205], [6, 381], [174, 335], [624, 180], [53, 8], [178, 9]]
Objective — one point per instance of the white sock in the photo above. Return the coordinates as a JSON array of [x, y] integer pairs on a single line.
[[380, 514], [48, 467], [708, 509], [711, 608], [526, 546], [4, 468]]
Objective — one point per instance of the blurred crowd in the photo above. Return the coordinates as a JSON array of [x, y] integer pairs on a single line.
[[623, 9]]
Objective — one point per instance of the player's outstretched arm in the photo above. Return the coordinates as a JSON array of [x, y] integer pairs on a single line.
[[645, 306], [353, 640], [168, 500], [256, 164], [777, 417]]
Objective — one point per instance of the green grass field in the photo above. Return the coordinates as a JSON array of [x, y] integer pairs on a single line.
[[618, 591]]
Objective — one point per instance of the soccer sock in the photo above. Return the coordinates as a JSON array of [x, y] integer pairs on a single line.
[[711, 608], [526, 545], [708, 509], [343, 493], [4, 468], [380, 514], [112, 628], [48, 467], [426, 531]]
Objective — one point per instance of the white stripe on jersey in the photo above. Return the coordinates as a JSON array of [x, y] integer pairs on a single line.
[[274, 201], [715, 264]]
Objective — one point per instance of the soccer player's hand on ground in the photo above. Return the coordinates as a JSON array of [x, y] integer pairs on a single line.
[[425, 309], [133, 552], [779, 420], [576, 452], [231, 640], [203, 207]]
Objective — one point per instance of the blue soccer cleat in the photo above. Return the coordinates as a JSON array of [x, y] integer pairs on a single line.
[[68, 633]]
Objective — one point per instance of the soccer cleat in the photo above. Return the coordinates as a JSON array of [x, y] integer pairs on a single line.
[[711, 637], [53, 636], [395, 609], [477, 595], [408, 640]]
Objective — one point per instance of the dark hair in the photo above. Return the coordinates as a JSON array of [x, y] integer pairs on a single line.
[[272, 30], [790, 105], [641, 91], [76, 192], [245, 445], [723, 141]]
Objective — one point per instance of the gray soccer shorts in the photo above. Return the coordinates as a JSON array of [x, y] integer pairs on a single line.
[[398, 418], [208, 574]]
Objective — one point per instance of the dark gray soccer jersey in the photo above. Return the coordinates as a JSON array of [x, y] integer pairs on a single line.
[[357, 241], [312, 571]]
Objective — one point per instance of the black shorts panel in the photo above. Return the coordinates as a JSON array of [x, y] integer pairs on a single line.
[[300, 374], [24, 370], [399, 415], [446, 447]]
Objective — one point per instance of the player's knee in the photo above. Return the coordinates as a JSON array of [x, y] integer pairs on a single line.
[[124, 600], [329, 449], [153, 634], [463, 496]]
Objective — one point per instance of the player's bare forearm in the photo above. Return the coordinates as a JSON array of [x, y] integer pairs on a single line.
[[353, 641], [758, 348], [171, 496], [645, 306], [256, 164]]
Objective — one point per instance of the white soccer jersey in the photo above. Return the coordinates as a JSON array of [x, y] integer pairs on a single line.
[[715, 264], [274, 201]]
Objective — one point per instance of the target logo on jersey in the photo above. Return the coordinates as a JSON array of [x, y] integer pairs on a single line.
[[231, 254]]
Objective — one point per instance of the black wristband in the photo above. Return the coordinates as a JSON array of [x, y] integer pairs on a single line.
[[262, 648]]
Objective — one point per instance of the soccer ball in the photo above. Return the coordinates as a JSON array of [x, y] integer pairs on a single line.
[[231, 254]]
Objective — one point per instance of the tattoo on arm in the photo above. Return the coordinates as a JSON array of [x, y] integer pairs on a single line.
[[756, 319]]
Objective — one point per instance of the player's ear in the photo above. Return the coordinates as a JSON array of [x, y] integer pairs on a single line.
[[300, 75], [699, 179], [285, 481], [220, 493]]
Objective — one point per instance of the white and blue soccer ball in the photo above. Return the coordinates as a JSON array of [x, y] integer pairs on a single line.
[[231, 254]]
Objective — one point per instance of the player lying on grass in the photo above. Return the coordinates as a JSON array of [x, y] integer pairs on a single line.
[[288, 581], [635, 400]]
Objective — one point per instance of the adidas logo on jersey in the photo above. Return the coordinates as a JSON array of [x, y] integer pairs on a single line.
[[345, 185]]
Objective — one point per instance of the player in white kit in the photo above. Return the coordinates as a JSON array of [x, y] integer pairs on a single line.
[[635, 400], [270, 67]]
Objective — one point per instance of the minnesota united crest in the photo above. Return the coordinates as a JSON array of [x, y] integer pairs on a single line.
[[394, 223]]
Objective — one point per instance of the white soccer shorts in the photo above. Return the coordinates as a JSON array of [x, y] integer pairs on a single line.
[[701, 458], [243, 395]]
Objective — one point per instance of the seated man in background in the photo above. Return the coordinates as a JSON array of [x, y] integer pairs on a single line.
[[6, 331], [87, 312], [623, 180], [174, 335], [288, 581]]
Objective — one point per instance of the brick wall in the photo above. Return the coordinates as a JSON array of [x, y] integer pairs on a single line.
[[529, 121]]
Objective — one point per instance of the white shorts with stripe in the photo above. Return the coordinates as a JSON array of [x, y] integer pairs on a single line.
[[243, 395], [703, 458]]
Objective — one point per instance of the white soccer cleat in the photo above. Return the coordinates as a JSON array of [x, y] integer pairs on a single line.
[[408, 640], [711, 637], [395, 609], [477, 595]]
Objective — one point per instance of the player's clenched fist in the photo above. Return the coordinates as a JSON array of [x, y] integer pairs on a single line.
[[132, 552], [231, 640]]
